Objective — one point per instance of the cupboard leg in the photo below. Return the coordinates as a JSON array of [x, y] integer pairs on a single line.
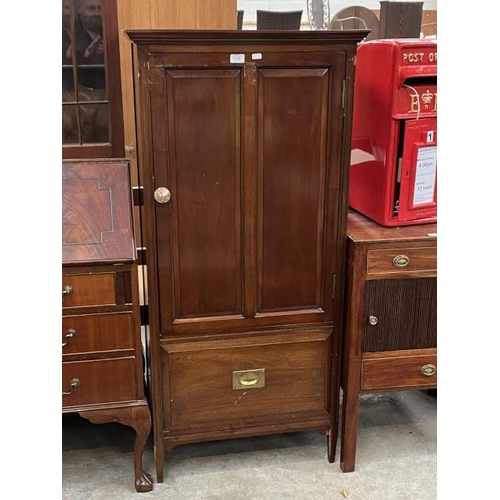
[[333, 432], [331, 442], [139, 418], [159, 460]]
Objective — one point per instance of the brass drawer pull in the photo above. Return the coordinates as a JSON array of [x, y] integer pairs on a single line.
[[67, 290], [70, 334], [428, 370], [373, 320], [73, 384], [401, 260], [249, 379]]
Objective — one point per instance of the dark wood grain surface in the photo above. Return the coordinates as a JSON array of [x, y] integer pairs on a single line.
[[96, 213], [364, 230]]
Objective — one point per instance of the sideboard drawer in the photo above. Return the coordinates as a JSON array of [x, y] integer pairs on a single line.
[[397, 260], [399, 369], [88, 290], [236, 385], [91, 333], [99, 381]]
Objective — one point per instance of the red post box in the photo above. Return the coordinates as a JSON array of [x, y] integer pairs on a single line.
[[393, 175]]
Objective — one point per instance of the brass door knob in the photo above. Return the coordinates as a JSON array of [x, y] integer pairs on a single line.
[[373, 320], [162, 195]]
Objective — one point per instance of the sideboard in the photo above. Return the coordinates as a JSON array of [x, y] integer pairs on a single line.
[[390, 329]]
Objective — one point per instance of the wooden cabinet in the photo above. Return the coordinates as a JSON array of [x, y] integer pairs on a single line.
[[390, 336], [244, 139], [102, 356], [92, 112]]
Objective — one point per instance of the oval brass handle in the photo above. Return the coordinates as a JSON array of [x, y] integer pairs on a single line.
[[401, 260], [162, 195], [73, 384], [70, 334], [373, 320], [67, 290], [428, 370]]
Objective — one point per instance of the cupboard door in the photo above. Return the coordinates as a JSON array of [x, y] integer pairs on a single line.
[[292, 133], [92, 110], [406, 310], [251, 155], [196, 114], [300, 130]]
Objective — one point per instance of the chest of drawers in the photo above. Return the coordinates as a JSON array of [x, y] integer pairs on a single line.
[[390, 331], [102, 360]]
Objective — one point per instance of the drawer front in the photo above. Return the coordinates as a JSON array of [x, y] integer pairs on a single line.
[[97, 332], [398, 371], [99, 381], [238, 384], [88, 290], [401, 260]]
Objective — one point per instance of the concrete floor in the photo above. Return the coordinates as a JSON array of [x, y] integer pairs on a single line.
[[396, 460]]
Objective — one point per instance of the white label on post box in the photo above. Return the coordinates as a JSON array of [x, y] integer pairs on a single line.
[[256, 55], [430, 136], [237, 58], [425, 175]]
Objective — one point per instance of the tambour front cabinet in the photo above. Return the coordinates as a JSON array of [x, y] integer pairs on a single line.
[[244, 143], [390, 337], [102, 360]]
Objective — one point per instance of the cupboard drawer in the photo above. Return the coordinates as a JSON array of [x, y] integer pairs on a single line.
[[398, 260], [238, 382], [100, 381], [89, 290], [97, 332], [399, 369]]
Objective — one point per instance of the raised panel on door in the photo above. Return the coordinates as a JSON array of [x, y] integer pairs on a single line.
[[196, 114], [292, 124]]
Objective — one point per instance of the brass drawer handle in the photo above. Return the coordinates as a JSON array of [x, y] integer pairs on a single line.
[[401, 260], [67, 290], [373, 320], [70, 334], [249, 379], [73, 384], [428, 370]]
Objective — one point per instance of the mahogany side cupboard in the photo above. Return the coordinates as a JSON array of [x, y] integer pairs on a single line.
[[243, 150], [390, 335]]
